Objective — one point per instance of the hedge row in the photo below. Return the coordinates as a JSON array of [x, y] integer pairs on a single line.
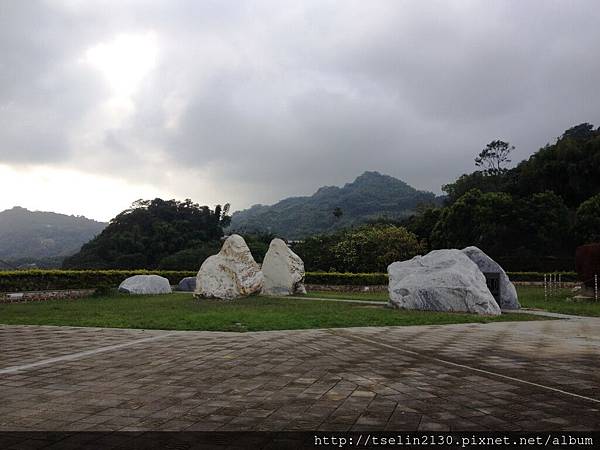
[[353, 279], [41, 280], [370, 279], [539, 276]]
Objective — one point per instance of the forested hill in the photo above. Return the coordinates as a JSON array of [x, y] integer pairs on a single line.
[[29, 236], [370, 196]]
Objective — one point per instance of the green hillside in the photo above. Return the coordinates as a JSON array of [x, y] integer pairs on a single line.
[[44, 238], [370, 196]]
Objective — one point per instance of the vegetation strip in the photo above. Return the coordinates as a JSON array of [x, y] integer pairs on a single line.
[[340, 300]]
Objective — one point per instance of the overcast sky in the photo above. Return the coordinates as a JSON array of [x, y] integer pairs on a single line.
[[102, 103]]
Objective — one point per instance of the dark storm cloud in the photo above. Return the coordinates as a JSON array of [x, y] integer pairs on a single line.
[[269, 99]]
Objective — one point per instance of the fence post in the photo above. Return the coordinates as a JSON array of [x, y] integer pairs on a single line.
[[560, 285], [596, 287], [545, 289]]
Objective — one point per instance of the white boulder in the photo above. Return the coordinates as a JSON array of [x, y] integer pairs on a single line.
[[145, 284], [283, 270], [442, 280], [231, 273], [507, 298]]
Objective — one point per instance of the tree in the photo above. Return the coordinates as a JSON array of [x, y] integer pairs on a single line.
[[337, 212], [494, 157], [570, 167], [369, 248], [582, 131], [477, 180], [587, 221], [503, 225], [150, 231], [423, 222]]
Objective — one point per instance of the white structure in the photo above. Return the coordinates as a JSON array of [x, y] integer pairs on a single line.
[[145, 284], [283, 270], [231, 273], [506, 296], [442, 280]]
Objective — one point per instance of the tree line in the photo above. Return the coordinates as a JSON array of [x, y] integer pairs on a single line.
[[529, 217]]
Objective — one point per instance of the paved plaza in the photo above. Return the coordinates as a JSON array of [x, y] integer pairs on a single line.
[[502, 376]]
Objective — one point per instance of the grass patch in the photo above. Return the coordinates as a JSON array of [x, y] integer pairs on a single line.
[[529, 297], [533, 297], [370, 296], [183, 312]]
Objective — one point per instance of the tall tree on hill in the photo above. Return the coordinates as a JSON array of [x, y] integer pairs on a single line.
[[494, 157]]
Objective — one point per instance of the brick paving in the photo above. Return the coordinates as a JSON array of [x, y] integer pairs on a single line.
[[502, 376]]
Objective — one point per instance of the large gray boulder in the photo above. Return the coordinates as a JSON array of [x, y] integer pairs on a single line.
[[232, 273], [442, 280], [283, 270], [187, 284], [145, 284], [507, 298]]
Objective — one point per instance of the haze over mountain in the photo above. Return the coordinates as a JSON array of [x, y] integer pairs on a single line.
[[370, 196], [42, 237]]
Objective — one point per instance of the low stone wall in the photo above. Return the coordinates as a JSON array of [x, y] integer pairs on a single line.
[[346, 288], [40, 296]]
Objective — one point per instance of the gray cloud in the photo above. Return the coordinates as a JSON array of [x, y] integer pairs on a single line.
[[262, 100]]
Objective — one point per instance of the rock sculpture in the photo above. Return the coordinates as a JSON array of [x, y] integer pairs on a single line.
[[442, 280], [231, 273], [283, 270], [507, 298], [187, 284]]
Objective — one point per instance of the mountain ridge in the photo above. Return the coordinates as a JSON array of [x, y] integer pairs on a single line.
[[43, 236], [370, 196]]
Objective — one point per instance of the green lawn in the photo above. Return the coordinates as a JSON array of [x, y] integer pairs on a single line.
[[533, 297], [529, 296], [371, 296], [182, 312]]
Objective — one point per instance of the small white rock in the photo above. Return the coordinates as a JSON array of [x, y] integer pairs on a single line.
[[145, 284]]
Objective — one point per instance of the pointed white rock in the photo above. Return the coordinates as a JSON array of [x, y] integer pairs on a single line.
[[231, 273], [283, 270]]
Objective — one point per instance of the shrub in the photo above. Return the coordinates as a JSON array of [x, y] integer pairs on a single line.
[[369, 248]]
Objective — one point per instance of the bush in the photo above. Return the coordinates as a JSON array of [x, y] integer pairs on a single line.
[[539, 276], [369, 248]]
